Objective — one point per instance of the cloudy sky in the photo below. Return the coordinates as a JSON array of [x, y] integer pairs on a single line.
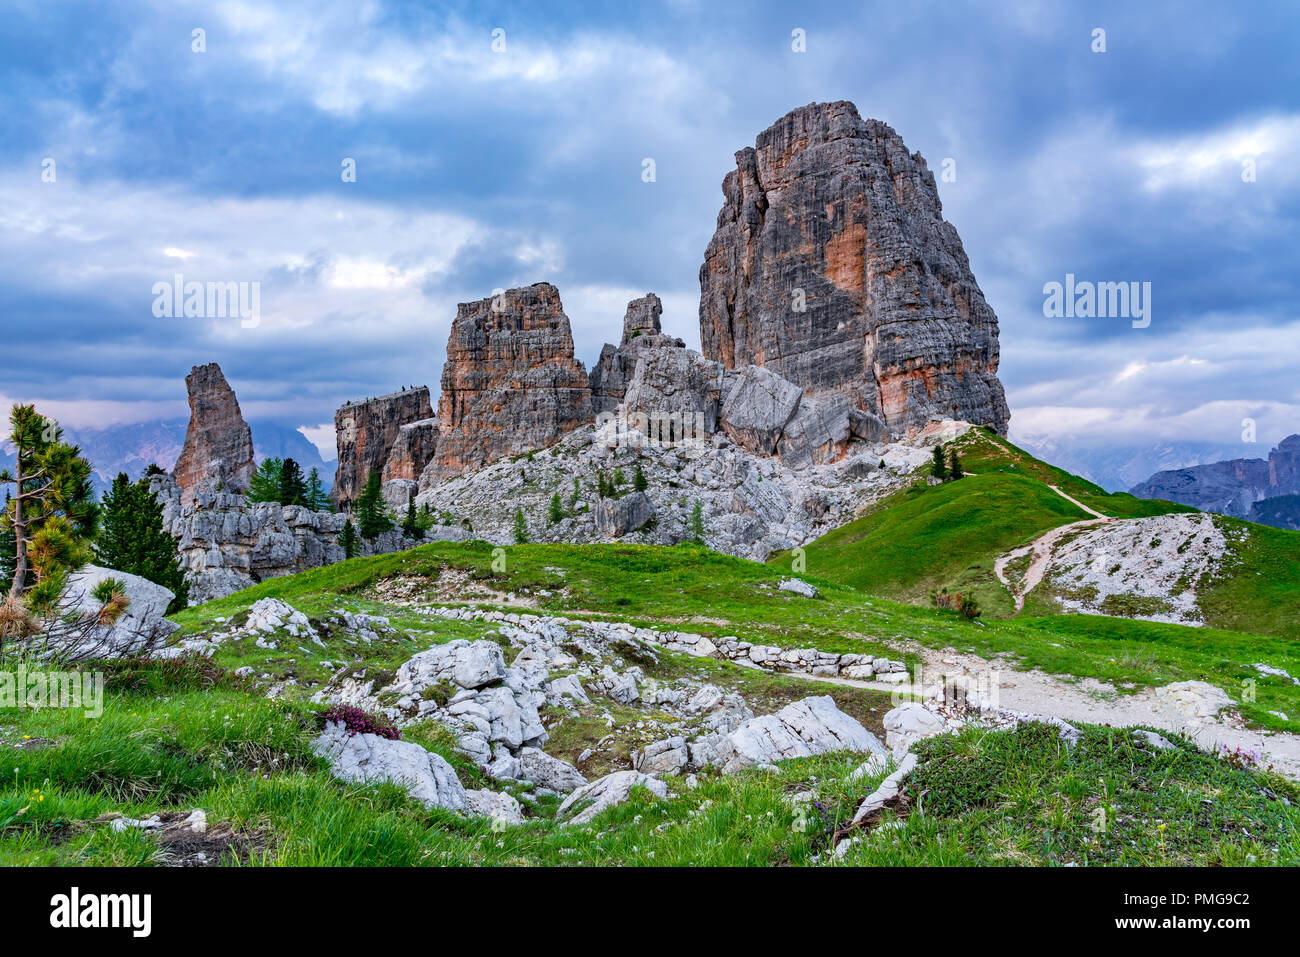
[[480, 168]]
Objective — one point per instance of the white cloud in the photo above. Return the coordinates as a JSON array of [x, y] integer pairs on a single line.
[[1214, 158]]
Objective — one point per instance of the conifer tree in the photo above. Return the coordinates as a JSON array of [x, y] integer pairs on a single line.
[[638, 480], [372, 516], [8, 545], [940, 467], [348, 539], [556, 511], [954, 465], [132, 538], [411, 527], [696, 526], [264, 486], [521, 527], [52, 513], [318, 499], [292, 488]]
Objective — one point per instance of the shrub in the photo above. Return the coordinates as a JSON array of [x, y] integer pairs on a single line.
[[356, 721], [964, 605]]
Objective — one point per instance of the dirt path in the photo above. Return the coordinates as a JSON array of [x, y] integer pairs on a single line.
[[1042, 548], [1094, 702]]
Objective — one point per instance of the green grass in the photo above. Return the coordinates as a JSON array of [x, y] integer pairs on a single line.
[[1258, 587], [1002, 797], [694, 589], [1025, 797]]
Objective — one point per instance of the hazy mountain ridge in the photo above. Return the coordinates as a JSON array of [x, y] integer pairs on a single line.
[[1233, 487], [1117, 468]]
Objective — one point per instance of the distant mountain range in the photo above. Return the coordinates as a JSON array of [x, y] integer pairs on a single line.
[[1117, 468], [133, 448], [1260, 490]]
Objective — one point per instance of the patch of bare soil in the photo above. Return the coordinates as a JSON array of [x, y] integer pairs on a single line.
[[451, 585], [183, 844]]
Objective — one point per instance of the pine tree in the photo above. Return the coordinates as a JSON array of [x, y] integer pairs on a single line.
[[954, 465], [372, 516], [132, 538], [318, 499], [292, 486], [696, 526], [411, 526], [638, 480], [556, 512], [521, 527], [940, 467], [264, 486], [577, 491], [52, 514], [8, 544], [348, 539]]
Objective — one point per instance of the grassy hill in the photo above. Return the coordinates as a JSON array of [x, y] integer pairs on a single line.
[[948, 535], [191, 733], [929, 537]]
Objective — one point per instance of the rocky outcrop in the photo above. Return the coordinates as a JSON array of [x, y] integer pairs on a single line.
[[218, 449], [833, 267], [1234, 487], [226, 544], [613, 372], [511, 383], [751, 505], [367, 431]]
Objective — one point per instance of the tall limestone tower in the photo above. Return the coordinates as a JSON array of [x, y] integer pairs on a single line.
[[832, 266]]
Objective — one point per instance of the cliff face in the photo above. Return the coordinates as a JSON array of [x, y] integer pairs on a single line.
[[511, 383], [1235, 487], [832, 265], [218, 447], [365, 433], [412, 450]]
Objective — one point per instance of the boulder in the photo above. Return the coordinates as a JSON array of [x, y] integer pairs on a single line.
[[908, 723], [798, 587], [140, 627], [501, 807], [608, 791], [469, 664], [756, 406], [615, 517], [799, 730], [548, 772], [674, 398], [366, 758]]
